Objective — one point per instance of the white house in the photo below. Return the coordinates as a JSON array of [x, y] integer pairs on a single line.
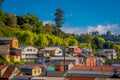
[[108, 53], [28, 53], [54, 51]]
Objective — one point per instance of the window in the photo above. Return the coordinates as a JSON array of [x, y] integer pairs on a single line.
[[27, 49], [35, 71], [38, 71], [15, 43], [30, 49], [34, 50], [16, 56]]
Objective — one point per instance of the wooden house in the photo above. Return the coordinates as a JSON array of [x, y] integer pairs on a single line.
[[54, 51], [12, 41], [28, 53], [108, 53], [9, 49], [31, 69], [2, 69], [61, 66], [87, 60], [73, 50], [4, 49], [15, 55], [68, 65], [10, 73]]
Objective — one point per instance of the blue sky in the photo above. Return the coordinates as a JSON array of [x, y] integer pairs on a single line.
[[80, 16]]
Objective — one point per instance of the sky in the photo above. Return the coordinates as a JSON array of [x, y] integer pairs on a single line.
[[80, 16]]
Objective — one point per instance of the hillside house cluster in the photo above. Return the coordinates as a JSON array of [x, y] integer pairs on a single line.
[[51, 61], [12, 51]]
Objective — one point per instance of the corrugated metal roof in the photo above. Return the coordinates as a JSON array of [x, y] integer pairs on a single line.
[[2, 66], [7, 38], [9, 71], [72, 46], [95, 68], [51, 48]]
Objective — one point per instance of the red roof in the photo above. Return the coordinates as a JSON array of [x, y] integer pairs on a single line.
[[9, 71], [66, 63], [79, 78], [2, 67], [86, 68], [95, 68]]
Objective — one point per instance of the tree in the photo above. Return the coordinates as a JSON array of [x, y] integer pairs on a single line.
[[26, 37], [86, 45], [1, 1], [58, 20], [11, 20]]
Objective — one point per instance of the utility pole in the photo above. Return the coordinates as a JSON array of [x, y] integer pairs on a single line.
[[64, 58]]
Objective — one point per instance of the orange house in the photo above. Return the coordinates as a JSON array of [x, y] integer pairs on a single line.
[[73, 50], [90, 61]]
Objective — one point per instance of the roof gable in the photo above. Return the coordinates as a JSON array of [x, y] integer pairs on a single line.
[[9, 71], [2, 66]]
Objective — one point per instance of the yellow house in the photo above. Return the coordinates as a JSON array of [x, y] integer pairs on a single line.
[[36, 71], [10, 47], [7, 57], [54, 51], [46, 54], [15, 55], [31, 69], [12, 41]]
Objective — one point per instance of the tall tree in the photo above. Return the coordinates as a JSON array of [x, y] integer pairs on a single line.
[[58, 20], [1, 1]]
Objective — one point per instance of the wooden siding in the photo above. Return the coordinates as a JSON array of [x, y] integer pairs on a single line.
[[14, 43], [36, 71]]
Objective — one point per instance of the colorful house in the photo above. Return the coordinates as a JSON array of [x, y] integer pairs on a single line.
[[9, 49], [31, 69], [28, 53], [87, 60], [53, 51], [2, 69], [10, 72], [4, 50], [61, 66], [12, 41], [73, 50], [108, 53]]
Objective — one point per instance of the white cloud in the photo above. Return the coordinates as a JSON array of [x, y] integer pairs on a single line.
[[74, 30], [102, 29], [48, 22]]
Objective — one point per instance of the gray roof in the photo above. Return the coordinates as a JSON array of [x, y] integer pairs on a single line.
[[7, 38], [62, 58], [51, 48], [87, 56], [108, 49], [53, 73], [72, 46], [30, 66]]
